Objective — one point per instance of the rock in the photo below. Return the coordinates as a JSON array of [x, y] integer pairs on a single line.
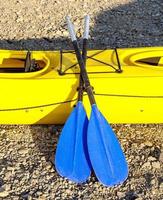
[[10, 168], [42, 197], [148, 144], [156, 165], [1, 182], [142, 145], [2, 131], [4, 193], [161, 186], [155, 152], [8, 175], [151, 158], [23, 151], [121, 194], [25, 194], [153, 182], [65, 33], [68, 192], [161, 157], [146, 165]]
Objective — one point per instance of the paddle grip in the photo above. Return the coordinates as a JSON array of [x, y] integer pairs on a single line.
[[86, 27], [71, 29], [84, 73]]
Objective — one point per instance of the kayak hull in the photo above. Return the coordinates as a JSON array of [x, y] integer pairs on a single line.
[[48, 96]]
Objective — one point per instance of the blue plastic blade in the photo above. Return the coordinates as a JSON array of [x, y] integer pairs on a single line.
[[72, 160], [106, 156]]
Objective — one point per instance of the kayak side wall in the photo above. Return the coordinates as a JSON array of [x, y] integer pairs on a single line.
[[51, 101], [133, 96]]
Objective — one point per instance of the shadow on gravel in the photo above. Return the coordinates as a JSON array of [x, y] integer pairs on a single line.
[[129, 25], [139, 23]]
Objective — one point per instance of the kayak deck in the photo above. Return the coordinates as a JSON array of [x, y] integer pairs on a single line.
[[127, 85]]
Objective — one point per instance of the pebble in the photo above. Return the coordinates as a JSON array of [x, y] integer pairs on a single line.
[[1, 182], [3, 131], [151, 158], [148, 143], [121, 194], [3, 192], [161, 157], [161, 186], [146, 165], [23, 151], [156, 165]]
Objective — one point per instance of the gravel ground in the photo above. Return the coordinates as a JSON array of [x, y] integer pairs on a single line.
[[26, 152]]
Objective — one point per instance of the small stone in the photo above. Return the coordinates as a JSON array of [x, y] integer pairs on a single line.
[[1, 182], [39, 193], [42, 197], [156, 165], [48, 167], [148, 144], [65, 33], [10, 168], [120, 194], [153, 181], [3, 131], [161, 186], [25, 194], [142, 145], [8, 175], [151, 158], [161, 157], [58, 32], [23, 151], [146, 165], [4, 194], [154, 192]]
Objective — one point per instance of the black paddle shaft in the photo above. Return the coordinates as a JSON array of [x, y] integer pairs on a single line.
[[83, 71], [81, 82]]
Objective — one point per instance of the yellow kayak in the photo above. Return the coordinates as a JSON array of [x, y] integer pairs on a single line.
[[128, 85]]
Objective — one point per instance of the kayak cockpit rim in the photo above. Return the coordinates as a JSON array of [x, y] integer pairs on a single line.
[[12, 64]]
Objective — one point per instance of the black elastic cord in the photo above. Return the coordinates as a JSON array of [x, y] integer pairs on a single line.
[[88, 57], [118, 61], [73, 100], [127, 95]]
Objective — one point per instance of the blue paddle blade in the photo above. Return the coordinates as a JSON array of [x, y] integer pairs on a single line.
[[72, 160], [106, 155]]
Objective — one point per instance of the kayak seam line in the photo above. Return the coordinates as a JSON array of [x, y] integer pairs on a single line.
[[126, 95], [69, 101], [40, 106]]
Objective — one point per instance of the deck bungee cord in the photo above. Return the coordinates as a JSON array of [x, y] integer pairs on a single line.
[[148, 61], [63, 72]]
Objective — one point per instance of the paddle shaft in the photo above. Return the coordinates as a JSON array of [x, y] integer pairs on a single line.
[[84, 55], [81, 83], [79, 57], [84, 74]]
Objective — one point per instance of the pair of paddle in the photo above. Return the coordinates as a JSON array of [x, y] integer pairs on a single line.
[[85, 145]]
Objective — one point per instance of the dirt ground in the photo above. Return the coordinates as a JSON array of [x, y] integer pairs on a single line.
[[26, 152]]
